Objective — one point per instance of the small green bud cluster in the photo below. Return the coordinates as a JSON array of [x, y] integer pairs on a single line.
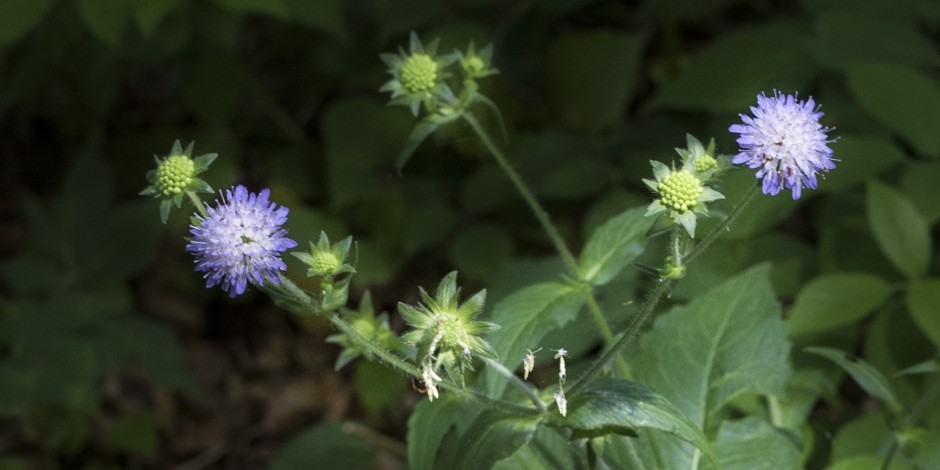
[[174, 174], [680, 190], [419, 73], [705, 163], [374, 328]]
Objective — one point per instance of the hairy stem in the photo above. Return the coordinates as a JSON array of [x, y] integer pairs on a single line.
[[516, 381], [198, 203], [721, 227]]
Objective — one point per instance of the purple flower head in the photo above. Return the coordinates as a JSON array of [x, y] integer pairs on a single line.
[[240, 241], [785, 141]]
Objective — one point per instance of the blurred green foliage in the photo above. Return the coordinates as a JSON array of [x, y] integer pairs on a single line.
[[285, 92]]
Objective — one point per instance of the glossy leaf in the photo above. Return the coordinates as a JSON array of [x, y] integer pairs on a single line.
[[835, 300], [613, 245], [923, 301], [620, 406], [864, 373], [900, 230]]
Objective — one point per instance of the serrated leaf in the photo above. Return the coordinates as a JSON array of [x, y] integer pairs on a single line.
[[613, 245], [493, 436], [900, 230], [902, 98], [729, 72], [429, 423], [726, 343], [107, 19], [525, 317], [17, 17], [753, 444], [835, 300], [330, 445], [923, 301], [864, 373], [607, 405]]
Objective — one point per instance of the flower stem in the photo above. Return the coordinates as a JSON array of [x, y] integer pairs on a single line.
[[721, 227], [198, 203], [513, 379], [523, 189], [632, 329], [544, 220], [310, 306]]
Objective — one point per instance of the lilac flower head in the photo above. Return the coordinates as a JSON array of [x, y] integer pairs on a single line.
[[785, 141], [240, 241]]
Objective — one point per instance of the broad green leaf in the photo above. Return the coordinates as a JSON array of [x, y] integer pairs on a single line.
[[107, 19], [860, 158], [868, 462], [428, 425], [722, 345], [493, 436], [149, 13], [593, 73], [753, 444], [525, 317], [864, 373], [378, 387], [921, 447], [728, 73], [923, 301], [835, 300], [275, 8], [900, 230], [613, 245], [620, 406], [902, 98], [867, 434], [548, 449], [331, 445], [919, 183], [17, 17]]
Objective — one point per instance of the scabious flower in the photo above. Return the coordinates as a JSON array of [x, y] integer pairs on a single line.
[[240, 241], [785, 142]]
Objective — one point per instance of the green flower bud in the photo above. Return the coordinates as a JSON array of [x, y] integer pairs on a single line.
[[174, 175], [326, 262], [705, 163], [419, 73], [680, 190]]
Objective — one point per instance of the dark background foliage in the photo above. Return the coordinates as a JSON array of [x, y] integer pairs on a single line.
[[109, 358]]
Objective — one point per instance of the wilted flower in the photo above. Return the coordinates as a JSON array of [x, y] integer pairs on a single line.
[[786, 142], [562, 402], [240, 241]]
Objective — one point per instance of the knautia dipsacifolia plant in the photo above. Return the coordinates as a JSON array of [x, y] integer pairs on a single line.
[[459, 352]]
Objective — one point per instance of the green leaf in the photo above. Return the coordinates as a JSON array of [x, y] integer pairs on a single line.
[[835, 300], [480, 250], [322, 15], [923, 301], [548, 449], [525, 317], [428, 424], [107, 19], [900, 230], [728, 73], [149, 13], [722, 345], [753, 444], [620, 406], [860, 158], [864, 373], [593, 74], [493, 436], [902, 98], [331, 445], [846, 36], [135, 434], [17, 17], [926, 367], [921, 447], [613, 245], [863, 435], [378, 387], [421, 131], [868, 462], [275, 8]]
